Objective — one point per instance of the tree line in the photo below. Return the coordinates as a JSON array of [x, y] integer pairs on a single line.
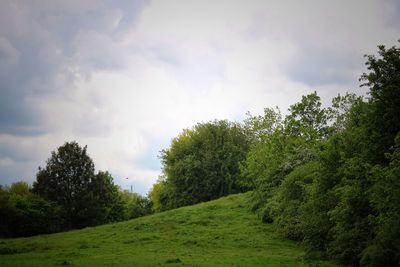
[[327, 176], [67, 194]]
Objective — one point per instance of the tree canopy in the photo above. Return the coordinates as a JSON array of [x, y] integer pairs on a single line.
[[69, 180], [329, 176], [67, 194], [201, 164], [66, 180]]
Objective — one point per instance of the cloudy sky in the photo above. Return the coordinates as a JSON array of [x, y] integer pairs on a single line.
[[124, 77]]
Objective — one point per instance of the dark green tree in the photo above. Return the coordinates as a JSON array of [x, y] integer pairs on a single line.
[[67, 180], [23, 213], [103, 201], [383, 80], [384, 248], [356, 200]]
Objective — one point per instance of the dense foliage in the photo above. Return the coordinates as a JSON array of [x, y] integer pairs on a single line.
[[202, 164], [23, 213], [66, 195], [326, 176], [135, 205], [330, 176], [69, 180]]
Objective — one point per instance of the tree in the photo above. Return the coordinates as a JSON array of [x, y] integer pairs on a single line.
[[104, 202], [293, 196], [135, 205], [307, 119], [331, 176], [162, 196], [66, 180], [282, 146], [356, 201], [20, 188], [24, 213], [259, 128], [383, 81], [339, 112], [203, 163], [384, 248]]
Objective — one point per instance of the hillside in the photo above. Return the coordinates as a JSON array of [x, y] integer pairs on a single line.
[[216, 233]]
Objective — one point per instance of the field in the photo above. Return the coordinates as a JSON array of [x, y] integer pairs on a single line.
[[217, 233]]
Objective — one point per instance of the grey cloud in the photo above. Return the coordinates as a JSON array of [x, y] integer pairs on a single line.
[[392, 13], [317, 66], [41, 45], [39, 41], [10, 152], [8, 174], [329, 38], [8, 55], [29, 76]]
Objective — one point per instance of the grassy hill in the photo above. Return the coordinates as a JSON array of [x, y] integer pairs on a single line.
[[216, 233]]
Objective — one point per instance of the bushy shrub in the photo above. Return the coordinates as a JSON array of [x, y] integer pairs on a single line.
[[25, 214]]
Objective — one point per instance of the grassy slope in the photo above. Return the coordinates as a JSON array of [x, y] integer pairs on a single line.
[[216, 233]]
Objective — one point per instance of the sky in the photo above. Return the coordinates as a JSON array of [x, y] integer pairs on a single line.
[[125, 77]]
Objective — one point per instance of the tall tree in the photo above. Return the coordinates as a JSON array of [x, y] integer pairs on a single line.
[[383, 81], [66, 180]]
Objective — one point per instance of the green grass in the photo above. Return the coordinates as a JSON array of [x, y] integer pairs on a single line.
[[217, 233]]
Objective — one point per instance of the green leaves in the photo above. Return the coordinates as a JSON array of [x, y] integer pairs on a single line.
[[348, 206], [66, 180], [307, 119], [24, 213], [69, 180], [383, 81], [201, 164]]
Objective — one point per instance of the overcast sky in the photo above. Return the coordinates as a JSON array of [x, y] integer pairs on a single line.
[[124, 77]]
